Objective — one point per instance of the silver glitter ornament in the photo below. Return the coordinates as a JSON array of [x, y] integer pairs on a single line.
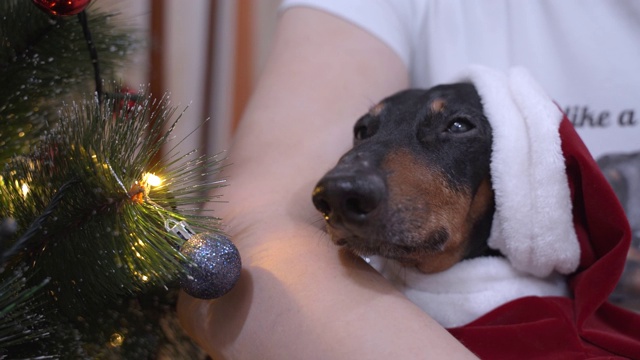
[[214, 266]]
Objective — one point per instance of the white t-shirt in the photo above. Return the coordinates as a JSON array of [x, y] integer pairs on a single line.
[[585, 53]]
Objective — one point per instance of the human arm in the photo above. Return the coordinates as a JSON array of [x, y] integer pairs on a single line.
[[298, 296]]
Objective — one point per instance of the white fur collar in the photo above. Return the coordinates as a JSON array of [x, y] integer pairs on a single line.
[[469, 289]]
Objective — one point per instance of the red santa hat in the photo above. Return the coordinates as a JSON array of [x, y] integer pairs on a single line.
[[555, 213]]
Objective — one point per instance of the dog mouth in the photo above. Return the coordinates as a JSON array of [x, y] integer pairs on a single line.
[[408, 250]]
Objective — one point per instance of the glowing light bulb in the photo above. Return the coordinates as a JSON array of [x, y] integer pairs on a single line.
[[116, 340], [140, 190], [152, 179]]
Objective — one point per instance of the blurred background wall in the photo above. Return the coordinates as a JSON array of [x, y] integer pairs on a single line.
[[206, 54]]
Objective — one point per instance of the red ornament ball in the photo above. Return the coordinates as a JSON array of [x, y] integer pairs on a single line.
[[62, 7]]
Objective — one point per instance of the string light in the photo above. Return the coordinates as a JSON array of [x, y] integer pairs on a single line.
[[116, 340], [23, 189], [140, 190], [142, 277], [151, 179]]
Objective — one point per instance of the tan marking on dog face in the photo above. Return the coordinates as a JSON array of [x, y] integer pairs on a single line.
[[483, 200], [434, 206], [376, 109], [437, 105]]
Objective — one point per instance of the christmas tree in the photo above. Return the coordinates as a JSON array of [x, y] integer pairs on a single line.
[[98, 226]]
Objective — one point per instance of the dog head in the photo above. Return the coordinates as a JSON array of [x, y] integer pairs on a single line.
[[416, 185]]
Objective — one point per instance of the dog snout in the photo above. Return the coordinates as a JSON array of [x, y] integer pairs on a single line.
[[355, 160], [349, 198]]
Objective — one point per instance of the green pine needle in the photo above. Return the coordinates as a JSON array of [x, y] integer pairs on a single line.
[[44, 59], [107, 237], [20, 320]]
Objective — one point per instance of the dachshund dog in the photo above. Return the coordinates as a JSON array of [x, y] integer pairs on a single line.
[[416, 186]]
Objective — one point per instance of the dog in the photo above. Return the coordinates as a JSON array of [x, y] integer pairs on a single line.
[[416, 185]]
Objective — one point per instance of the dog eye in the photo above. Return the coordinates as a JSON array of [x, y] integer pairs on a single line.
[[459, 126], [360, 132], [365, 127]]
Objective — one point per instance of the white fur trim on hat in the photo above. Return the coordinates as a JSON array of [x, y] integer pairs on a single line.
[[532, 225]]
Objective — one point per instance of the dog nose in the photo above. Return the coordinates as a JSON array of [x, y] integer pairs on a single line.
[[350, 198]]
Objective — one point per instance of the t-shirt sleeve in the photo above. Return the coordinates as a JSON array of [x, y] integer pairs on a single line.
[[391, 21]]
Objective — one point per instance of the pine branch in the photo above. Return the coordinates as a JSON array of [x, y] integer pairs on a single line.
[[20, 318], [90, 226], [106, 236], [23, 243], [44, 60]]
